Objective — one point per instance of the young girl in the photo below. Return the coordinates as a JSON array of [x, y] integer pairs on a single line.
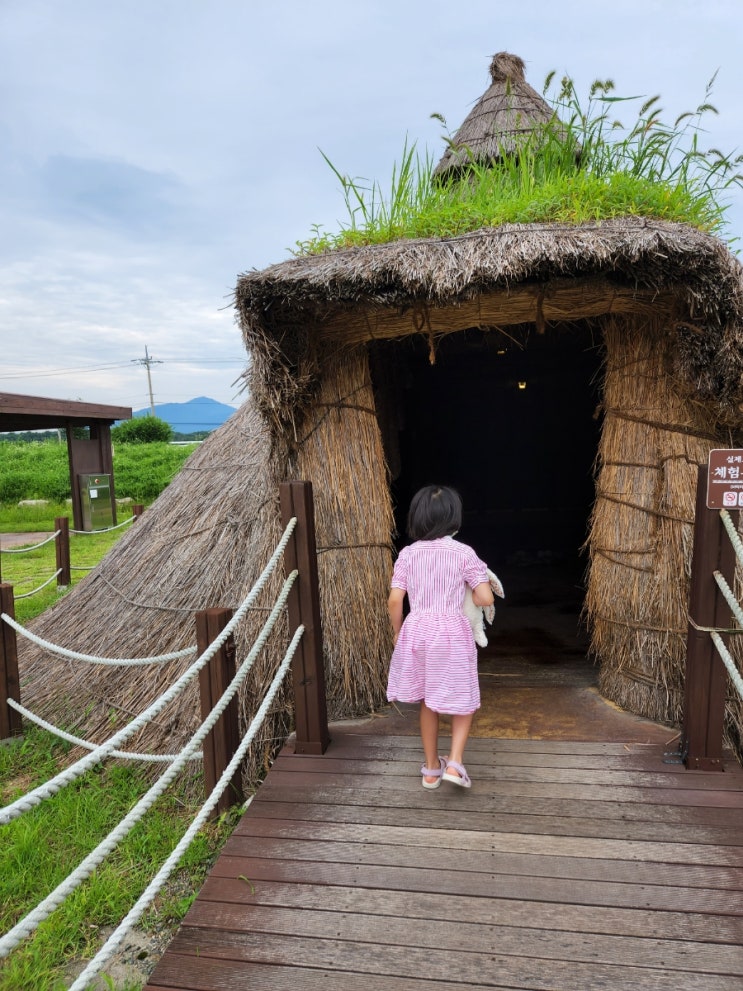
[[435, 658]]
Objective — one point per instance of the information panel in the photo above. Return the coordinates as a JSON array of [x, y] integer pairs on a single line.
[[725, 479]]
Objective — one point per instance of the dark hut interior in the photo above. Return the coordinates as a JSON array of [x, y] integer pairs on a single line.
[[510, 419]]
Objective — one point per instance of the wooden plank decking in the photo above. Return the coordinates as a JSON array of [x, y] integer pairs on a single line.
[[568, 867]]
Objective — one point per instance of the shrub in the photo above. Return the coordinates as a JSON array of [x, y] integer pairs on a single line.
[[142, 430], [13, 486], [142, 471]]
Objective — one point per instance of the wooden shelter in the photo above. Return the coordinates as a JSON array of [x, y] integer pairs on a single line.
[[567, 379], [86, 455]]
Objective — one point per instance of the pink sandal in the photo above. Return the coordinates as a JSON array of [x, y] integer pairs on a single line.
[[430, 772], [463, 780]]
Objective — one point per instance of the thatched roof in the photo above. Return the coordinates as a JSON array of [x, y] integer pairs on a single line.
[[500, 120], [202, 543], [293, 312]]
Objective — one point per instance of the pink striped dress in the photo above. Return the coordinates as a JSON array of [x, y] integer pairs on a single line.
[[435, 658]]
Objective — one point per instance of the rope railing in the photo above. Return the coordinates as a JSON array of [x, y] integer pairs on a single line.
[[729, 597], [732, 532], [151, 891], [61, 537], [44, 909], [25, 550], [88, 533], [727, 660], [76, 770], [735, 606], [224, 747], [86, 744], [714, 614], [75, 655], [27, 595]]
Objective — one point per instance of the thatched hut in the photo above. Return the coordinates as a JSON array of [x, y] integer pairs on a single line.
[[567, 379]]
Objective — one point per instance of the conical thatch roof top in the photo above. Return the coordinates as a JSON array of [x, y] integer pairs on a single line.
[[503, 116]]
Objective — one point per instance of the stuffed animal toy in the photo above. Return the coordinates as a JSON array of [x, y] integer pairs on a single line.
[[478, 614]]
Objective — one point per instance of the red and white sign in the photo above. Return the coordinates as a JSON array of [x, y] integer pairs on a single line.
[[725, 479]]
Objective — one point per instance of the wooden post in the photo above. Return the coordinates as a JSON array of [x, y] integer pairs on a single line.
[[10, 720], [308, 672], [62, 545], [137, 509], [220, 745], [706, 677]]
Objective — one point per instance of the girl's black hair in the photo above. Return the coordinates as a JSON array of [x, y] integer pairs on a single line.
[[435, 511]]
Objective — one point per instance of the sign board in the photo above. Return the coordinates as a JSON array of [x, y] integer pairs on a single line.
[[725, 479]]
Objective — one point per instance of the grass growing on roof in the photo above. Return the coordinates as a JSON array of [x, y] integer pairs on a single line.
[[584, 165]]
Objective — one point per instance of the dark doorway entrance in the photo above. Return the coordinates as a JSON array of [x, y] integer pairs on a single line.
[[510, 420]]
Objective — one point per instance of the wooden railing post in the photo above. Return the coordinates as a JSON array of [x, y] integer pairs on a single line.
[[308, 672], [137, 509], [220, 745], [705, 685], [10, 720], [62, 546]]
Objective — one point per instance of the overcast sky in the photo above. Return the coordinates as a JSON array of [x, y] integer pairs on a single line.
[[152, 150]]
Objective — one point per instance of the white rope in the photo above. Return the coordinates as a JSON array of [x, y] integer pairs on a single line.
[[118, 526], [150, 893], [74, 655], [729, 663], [728, 595], [74, 771], [27, 595], [732, 533], [78, 741], [25, 550], [48, 905]]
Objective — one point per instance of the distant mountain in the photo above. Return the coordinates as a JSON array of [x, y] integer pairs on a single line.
[[193, 416]]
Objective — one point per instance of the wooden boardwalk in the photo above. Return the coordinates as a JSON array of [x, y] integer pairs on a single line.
[[568, 867]]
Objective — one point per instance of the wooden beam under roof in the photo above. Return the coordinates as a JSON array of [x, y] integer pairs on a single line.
[[40, 413], [552, 302]]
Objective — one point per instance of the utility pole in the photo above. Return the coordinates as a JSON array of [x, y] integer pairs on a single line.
[[147, 361]]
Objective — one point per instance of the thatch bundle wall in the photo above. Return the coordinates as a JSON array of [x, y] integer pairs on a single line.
[[654, 436], [340, 451], [203, 543]]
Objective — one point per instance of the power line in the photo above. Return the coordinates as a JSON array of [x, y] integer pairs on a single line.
[[47, 373], [62, 371]]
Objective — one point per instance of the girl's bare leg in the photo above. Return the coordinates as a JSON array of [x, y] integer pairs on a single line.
[[430, 738], [460, 731]]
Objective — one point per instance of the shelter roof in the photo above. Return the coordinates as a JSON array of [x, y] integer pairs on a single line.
[[39, 413]]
